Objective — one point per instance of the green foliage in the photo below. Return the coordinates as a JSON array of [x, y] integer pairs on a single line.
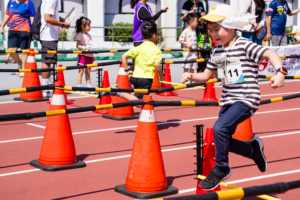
[[119, 33], [288, 30], [74, 36], [63, 36], [179, 31]]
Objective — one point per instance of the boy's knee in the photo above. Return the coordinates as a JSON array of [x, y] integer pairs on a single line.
[[218, 129]]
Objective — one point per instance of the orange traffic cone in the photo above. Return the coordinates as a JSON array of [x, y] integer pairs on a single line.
[[209, 154], [168, 79], [31, 79], [155, 85], [104, 99], [244, 131], [124, 113], [58, 149], [209, 93], [60, 77], [146, 177]]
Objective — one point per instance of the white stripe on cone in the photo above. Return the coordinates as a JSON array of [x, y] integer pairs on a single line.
[[147, 116], [31, 59], [122, 71], [58, 100]]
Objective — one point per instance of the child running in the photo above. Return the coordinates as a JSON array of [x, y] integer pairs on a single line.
[[204, 42], [239, 59], [147, 58], [84, 43], [189, 40]]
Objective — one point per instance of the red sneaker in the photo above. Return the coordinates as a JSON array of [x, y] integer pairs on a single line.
[[6, 61]]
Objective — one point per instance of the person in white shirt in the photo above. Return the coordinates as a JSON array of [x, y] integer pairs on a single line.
[[188, 39], [50, 28]]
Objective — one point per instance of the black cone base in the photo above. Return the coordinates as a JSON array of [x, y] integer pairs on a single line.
[[139, 195], [119, 118], [32, 100], [48, 168]]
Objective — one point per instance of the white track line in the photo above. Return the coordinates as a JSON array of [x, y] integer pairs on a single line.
[[31, 124], [110, 129], [127, 156], [266, 95], [248, 179]]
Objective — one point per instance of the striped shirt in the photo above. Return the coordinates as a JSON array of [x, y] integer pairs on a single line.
[[250, 54]]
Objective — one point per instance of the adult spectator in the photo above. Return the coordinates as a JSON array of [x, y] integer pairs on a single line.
[[276, 21], [50, 28], [142, 13], [19, 14], [191, 6], [256, 8]]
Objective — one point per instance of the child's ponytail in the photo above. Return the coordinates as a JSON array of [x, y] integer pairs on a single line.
[[82, 21]]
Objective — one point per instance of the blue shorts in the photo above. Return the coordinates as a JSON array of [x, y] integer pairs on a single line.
[[19, 39]]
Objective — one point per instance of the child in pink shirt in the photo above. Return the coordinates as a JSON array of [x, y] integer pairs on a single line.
[[84, 43]]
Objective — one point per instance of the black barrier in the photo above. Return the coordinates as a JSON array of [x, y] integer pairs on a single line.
[[286, 77], [96, 65], [93, 52], [242, 193], [26, 116], [28, 89]]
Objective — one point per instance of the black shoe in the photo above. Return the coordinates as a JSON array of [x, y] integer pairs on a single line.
[[259, 157], [214, 178]]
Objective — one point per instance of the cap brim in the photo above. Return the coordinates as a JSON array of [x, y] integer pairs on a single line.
[[212, 18]]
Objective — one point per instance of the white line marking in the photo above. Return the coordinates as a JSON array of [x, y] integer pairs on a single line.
[[266, 95], [20, 172], [248, 179], [110, 129], [31, 124], [98, 160], [283, 134]]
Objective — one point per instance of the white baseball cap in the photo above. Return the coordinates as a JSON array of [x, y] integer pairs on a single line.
[[219, 13]]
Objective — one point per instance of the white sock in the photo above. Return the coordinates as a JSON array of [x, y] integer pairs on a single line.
[[49, 80], [45, 81]]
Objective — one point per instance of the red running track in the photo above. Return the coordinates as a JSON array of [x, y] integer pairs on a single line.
[[106, 145]]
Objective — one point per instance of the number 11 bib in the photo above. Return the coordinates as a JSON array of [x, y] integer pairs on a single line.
[[233, 71]]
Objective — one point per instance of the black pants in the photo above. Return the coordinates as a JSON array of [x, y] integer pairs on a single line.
[[141, 83]]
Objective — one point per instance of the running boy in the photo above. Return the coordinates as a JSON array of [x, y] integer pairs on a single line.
[[189, 40], [240, 96], [147, 58]]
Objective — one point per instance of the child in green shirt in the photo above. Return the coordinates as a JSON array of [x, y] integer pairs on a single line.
[[147, 58]]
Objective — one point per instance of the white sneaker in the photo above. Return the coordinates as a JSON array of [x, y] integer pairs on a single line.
[[21, 74], [19, 67]]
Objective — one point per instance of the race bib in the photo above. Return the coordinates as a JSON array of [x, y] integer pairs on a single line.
[[233, 72]]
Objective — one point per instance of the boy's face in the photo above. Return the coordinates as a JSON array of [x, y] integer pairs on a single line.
[[194, 23], [220, 34]]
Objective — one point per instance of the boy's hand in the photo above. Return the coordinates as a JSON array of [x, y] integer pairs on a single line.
[[130, 73], [186, 77], [277, 81], [189, 46]]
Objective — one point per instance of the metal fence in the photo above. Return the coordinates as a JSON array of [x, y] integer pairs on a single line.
[[109, 34]]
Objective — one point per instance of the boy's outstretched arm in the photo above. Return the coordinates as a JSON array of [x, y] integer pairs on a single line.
[[278, 80], [159, 71], [125, 64], [197, 77]]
